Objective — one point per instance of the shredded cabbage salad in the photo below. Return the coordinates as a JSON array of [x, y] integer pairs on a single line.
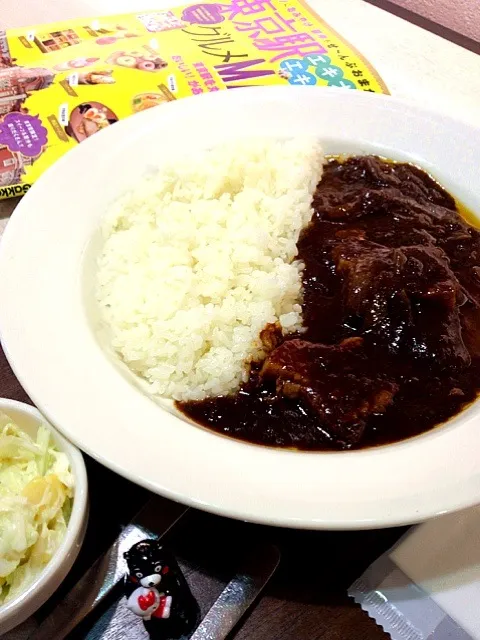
[[36, 491]]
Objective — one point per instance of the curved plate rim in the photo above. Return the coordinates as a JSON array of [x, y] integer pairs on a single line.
[[326, 512]]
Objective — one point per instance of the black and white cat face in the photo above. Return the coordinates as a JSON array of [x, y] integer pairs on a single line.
[[146, 564]]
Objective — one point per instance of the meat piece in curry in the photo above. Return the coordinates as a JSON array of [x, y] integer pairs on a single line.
[[407, 299], [331, 380]]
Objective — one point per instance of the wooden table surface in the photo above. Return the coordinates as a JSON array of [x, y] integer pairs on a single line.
[[307, 599]]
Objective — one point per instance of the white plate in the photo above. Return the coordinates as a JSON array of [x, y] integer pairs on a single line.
[[48, 327]]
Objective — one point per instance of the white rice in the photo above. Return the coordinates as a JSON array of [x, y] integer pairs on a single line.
[[202, 257]]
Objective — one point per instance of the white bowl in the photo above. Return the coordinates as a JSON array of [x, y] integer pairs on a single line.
[[47, 259], [37, 593]]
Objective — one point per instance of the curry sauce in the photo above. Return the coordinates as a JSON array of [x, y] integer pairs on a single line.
[[391, 310]]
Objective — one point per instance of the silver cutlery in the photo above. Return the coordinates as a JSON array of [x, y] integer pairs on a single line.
[[160, 515], [239, 594], [109, 569]]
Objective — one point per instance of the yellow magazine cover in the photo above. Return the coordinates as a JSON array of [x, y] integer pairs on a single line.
[[61, 83]]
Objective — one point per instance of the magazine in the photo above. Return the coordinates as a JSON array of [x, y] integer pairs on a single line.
[[61, 83]]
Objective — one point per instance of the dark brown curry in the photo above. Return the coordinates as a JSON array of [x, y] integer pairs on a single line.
[[391, 307]]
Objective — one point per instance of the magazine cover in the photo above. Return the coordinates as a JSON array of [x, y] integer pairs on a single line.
[[61, 83]]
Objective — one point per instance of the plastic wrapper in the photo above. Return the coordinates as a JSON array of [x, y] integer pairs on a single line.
[[427, 587]]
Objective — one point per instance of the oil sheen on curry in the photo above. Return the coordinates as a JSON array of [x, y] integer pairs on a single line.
[[391, 309]]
